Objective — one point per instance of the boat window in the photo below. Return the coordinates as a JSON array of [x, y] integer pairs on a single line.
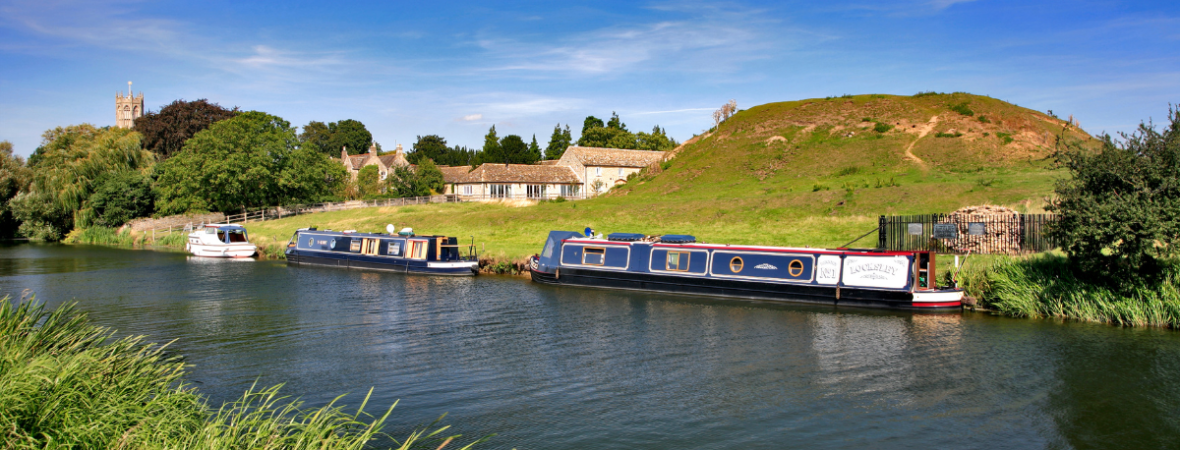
[[370, 246], [237, 236], [735, 264], [332, 245], [356, 246], [310, 241], [594, 256], [418, 249], [678, 261], [795, 268], [395, 249], [221, 235]]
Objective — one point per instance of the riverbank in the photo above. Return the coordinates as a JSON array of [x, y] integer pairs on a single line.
[[1046, 286], [67, 383]]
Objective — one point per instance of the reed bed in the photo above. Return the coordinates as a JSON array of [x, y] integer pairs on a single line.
[[65, 383], [1047, 286]]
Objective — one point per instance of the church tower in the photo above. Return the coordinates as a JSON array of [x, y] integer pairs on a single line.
[[128, 108]]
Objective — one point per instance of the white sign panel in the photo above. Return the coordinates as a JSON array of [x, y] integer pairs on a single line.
[[827, 269], [876, 271]]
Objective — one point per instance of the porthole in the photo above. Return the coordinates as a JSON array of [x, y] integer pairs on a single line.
[[735, 264], [795, 267], [310, 241], [332, 245]]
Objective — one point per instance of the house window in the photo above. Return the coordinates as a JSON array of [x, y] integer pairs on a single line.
[[383, 175], [620, 172], [594, 256], [536, 190], [501, 190], [598, 171], [467, 189], [569, 190], [678, 261]]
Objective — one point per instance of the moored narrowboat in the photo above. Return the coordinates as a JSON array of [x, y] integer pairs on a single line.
[[677, 264], [402, 252]]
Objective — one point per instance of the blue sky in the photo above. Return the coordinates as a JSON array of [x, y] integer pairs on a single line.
[[414, 68]]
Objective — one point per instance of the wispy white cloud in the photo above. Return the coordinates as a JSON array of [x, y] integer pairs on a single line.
[[472, 117]]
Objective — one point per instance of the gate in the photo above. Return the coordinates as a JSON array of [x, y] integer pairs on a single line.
[[1002, 234]]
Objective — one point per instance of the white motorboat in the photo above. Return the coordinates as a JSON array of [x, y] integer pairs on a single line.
[[220, 240]]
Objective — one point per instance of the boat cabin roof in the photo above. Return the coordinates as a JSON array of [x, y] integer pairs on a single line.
[[368, 235], [225, 226], [689, 242]]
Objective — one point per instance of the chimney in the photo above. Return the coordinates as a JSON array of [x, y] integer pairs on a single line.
[[373, 149]]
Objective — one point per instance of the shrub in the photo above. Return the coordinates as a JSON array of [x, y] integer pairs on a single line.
[[1117, 214], [819, 187], [882, 127], [948, 135], [927, 94], [559, 200], [847, 171], [666, 164], [121, 196], [984, 119], [866, 119], [962, 108], [1005, 138]]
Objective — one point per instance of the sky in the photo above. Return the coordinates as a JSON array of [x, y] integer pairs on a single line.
[[454, 69]]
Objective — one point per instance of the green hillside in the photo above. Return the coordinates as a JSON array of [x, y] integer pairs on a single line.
[[809, 172]]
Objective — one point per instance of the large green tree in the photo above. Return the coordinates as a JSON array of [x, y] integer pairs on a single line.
[[331, 138], [514, 150], [69, 161], [492, 150], [252, 160], [558, 142], [1119, 212], [431, 146], [165, 131], [614, 134], [368, 181], [14, 177], [534, 153], [120, 196]]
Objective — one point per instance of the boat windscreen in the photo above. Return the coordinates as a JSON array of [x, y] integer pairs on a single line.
[[552, 252], [237, 236]]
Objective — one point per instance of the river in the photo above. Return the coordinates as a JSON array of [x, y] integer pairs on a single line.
[[565, 368]]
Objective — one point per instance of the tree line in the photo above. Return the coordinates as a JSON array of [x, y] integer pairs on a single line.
[[197, 156]]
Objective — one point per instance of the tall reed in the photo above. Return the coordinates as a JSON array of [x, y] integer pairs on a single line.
[[65, 383], [1048, 286]]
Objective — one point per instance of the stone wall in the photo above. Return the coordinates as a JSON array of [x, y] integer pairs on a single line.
[[177, 222]]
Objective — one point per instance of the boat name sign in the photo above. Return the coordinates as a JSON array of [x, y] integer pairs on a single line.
[[827, 269], [876, 271]]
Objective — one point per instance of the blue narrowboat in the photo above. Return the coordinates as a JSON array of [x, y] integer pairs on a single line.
[[677, 264], [402, 252]]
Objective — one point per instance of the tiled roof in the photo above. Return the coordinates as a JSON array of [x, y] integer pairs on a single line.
[[453, 174], [548, 162], [393, 160], [598, 156], [518, 173], [355, 161]]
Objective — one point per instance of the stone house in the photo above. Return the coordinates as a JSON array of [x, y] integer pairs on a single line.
[[532, 181], [385, 163], [600, 169]]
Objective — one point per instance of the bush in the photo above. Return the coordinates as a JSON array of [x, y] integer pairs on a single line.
[[947, 135], [1005, 138], [984, 119], [962, 108], [1117, 214], [882, 127], [850, 170], [927, 94], [121, 196]]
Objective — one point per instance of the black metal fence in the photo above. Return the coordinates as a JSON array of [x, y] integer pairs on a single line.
[[1006, 234]]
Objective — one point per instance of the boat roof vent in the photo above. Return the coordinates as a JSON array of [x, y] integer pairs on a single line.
[[625, 237], [678, 238]]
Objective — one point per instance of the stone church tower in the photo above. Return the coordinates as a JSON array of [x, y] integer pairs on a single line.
[[128, 108]]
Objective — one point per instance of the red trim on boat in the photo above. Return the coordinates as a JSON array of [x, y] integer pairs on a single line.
[[935, 305]]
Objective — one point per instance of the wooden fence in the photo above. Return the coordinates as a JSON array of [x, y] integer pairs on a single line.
[[1005, 234]]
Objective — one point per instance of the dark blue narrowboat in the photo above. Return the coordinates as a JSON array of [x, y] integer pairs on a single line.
[[677, 264], [403, 252]]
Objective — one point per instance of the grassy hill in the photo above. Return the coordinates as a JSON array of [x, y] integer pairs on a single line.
[[809, 172]]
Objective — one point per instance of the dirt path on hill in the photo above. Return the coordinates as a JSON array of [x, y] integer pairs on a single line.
[[922, 132]]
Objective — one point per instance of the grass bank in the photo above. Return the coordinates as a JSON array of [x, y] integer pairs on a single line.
[[1046, 286], [65, 383]]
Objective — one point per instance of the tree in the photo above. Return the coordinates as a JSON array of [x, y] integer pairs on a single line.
[[121, 196], [513, 149], [368, 181], [429, 178], [331, 138], [492, 152], [14, 177], [251, 160], [608, 137], [69, 161], [657, 140], [349, 134], [318, 137], [727, 110], [615, 123], [165, 132], [1119, 213], [431, 146], [558, 142], [590, 123], [534, 153]]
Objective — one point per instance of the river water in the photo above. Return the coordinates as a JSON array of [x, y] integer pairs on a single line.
[[565, 368]]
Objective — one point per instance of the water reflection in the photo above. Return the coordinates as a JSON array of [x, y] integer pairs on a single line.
[[570, 368]]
